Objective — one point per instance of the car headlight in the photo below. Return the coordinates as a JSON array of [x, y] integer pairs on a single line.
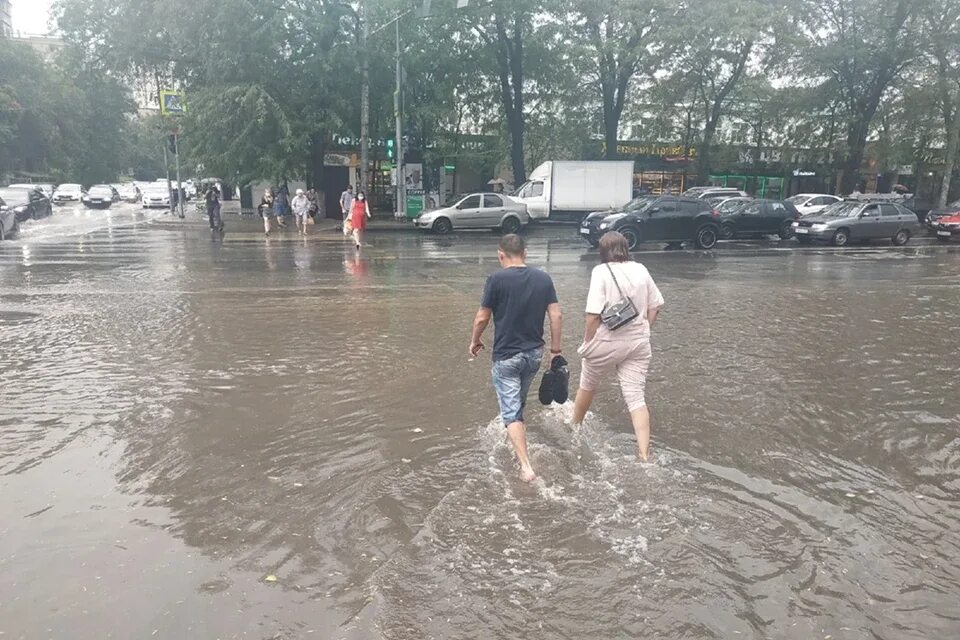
[[795, 225], [604, 225], [819, 227]]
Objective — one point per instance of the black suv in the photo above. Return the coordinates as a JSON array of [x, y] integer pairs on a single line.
[[668, 219], [590, 227]]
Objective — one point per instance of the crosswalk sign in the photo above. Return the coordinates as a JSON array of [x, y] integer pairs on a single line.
[[173, 103]]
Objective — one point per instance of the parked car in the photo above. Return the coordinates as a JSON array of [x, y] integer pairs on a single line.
[[933, 216], [808, 203], [670, 219], [155, 195], [9, 224], [129, 192], [100, 196], [28, 204], [590, 227], [760, 217], [948, 228], [45, 188], [713, 192], [726, 205], [477, 211], [855, 220], [69, 192]]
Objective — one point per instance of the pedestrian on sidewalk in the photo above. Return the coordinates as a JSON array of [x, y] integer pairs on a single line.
[[358, 218], [616, 344], [212, 199], [281, 204], [301, 211], [346, 206], [266, 209], [517, 298], [314, 199]]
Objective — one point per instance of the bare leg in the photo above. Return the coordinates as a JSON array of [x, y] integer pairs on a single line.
[[356, 237], [266, 225], [517, 433], [581, 405], [641, 426]]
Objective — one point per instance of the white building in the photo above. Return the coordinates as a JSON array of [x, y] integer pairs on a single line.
[[6, 19]]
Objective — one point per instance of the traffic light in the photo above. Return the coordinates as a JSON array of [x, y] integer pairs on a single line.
[[391, 150]]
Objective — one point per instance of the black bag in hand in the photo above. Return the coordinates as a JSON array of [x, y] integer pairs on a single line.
[[555, 385]]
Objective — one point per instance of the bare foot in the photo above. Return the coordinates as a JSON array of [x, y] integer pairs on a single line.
[[527, 474], [644, 457]]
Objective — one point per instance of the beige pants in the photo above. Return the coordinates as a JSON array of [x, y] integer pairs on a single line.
[[629, 356]]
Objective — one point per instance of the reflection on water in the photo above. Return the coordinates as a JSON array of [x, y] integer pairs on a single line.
[[183, 418]]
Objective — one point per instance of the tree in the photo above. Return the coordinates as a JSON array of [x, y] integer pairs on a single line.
[[857, 49], [941, 23], [612, 42]]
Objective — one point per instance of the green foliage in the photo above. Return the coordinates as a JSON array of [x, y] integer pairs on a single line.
[[59, 120]]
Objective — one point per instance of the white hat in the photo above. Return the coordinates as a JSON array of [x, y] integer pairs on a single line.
[[299, 192]]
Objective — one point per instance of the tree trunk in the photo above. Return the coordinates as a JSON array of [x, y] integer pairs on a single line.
[[953, 145], [703, 160], [856, 145], [510, 63]]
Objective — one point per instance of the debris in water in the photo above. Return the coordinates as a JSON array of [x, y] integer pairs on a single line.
[[271, 578]]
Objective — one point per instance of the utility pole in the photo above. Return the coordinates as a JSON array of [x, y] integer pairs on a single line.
[[364, 103], [398, 110], [176, 152], [166, 168]]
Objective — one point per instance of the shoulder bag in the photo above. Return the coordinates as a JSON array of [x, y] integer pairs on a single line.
[[621, 312]]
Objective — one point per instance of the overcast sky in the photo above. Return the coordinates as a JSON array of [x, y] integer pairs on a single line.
[[31, 16]]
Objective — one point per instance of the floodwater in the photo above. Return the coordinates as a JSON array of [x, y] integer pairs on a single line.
[[251, 438]]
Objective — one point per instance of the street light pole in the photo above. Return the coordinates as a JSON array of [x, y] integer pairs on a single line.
[[176, 152], [364, 103], [398, 110]]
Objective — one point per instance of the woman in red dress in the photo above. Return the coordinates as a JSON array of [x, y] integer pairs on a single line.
[[358, 217]]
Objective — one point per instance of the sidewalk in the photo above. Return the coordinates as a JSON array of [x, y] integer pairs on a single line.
[[230, 210]]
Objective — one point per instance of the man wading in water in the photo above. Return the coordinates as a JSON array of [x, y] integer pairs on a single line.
[[517, 297]]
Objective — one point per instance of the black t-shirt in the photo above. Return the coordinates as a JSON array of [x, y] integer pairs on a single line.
[[518, 297]]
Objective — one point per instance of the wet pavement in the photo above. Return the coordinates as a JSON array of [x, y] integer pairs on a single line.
[[252, 438]]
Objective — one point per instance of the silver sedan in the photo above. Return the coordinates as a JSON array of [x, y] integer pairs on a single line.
[[477, 211]]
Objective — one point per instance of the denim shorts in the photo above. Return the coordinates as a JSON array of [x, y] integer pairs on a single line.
[[512, 379]]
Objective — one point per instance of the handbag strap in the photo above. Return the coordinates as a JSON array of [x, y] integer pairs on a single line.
[[619, 290]]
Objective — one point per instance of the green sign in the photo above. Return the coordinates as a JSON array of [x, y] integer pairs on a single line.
[[414, 205]]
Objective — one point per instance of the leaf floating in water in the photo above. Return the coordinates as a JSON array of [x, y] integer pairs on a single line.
[[271, 578], [418, 430], [851, 495], [406, 460]]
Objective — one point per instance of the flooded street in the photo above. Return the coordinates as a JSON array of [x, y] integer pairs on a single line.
[[273, 438]]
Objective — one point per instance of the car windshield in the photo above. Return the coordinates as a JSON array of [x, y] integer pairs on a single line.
[[14, 197], [840, 209], [100, 187], [797, 199], [639, 204]]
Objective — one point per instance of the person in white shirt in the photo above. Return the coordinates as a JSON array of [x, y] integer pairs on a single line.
[[625, 350]]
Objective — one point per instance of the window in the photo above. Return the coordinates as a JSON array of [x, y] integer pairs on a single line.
[[776, 206], [751, 210], [471, 202], [693, 208], [889, 210], [491, 201], [872, 210], [532, 190]]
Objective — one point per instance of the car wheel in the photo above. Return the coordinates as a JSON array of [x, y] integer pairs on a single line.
[[510, 225], [841, 238], [632, 234], [726, 231], [442, 226], [786, 230], [902, 238], [706, 237]]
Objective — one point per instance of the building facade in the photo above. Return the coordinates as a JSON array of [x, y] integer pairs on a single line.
[[6, 19]]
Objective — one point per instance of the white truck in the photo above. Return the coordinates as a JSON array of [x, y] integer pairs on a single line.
[[568, 191]]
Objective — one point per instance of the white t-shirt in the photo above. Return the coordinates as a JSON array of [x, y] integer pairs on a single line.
[[636, 284]]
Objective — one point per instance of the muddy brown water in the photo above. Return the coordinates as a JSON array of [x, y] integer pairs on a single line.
[[183, 420]]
